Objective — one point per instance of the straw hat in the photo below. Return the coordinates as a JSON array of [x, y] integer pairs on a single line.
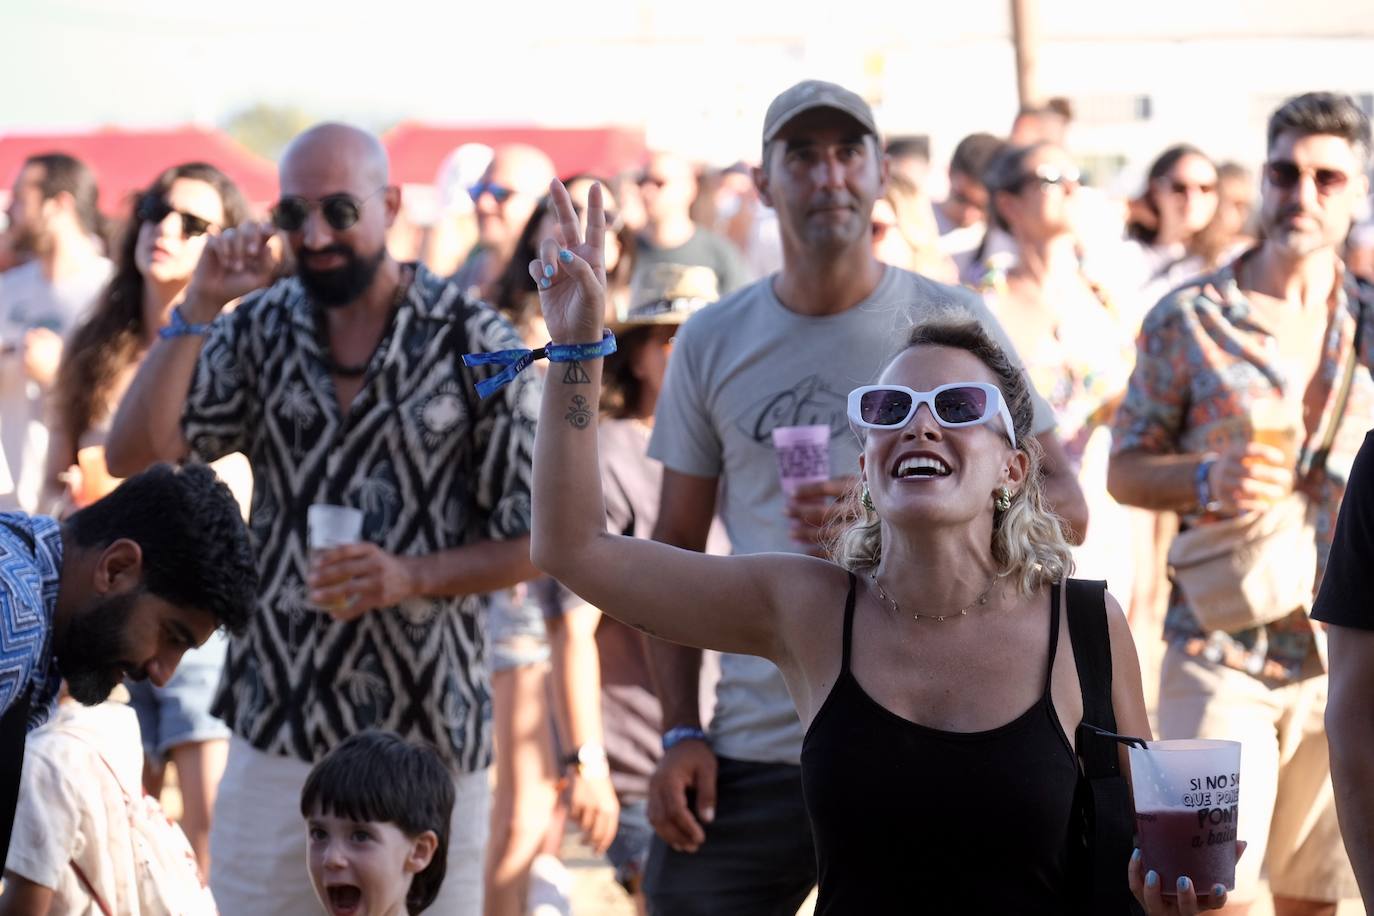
[[666, 294]]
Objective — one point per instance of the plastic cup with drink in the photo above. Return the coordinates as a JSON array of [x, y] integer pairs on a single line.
[[803, 455], [1187, 798], [333, 526], [1277, 424]]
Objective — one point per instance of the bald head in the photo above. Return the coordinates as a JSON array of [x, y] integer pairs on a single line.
[[338, 178], [668, 186], [339, 153], [511, 187]]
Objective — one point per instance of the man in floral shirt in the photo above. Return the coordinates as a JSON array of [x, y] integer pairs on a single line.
[[1277, 326]]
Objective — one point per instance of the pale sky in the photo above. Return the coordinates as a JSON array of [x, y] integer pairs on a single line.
[[694, 73]]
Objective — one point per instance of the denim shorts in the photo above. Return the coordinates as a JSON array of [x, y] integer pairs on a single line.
[[630, 849], [180, 712], [516, 635]]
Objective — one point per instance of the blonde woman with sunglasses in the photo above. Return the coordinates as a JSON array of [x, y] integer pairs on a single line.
[[937, 765]]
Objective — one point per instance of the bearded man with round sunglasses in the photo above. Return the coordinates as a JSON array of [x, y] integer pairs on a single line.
[[732, 831], [1252, 391], [343, 385]]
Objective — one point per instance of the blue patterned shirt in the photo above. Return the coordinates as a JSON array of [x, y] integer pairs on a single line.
[[30, 569]]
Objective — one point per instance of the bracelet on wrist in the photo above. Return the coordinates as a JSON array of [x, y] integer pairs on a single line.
[[1202, 485], [682, 733], [178, 326], [515, 361]]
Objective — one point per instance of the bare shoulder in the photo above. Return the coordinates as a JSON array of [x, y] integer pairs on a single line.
[[803, 584], [1117, 625]]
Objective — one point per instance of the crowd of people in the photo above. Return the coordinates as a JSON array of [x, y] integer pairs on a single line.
[[737, 686]]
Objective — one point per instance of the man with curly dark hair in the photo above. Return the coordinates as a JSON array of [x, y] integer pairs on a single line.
[[122, 587]]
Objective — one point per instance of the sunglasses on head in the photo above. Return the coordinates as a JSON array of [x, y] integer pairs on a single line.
[[154, 209], [1285, 174], [954, 405], [499, 193], [1049, 175], [340, 211]]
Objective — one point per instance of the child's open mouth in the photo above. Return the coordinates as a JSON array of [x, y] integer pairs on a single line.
[[344, 899]]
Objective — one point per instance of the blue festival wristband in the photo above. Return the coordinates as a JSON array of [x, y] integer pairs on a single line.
[[682, 733], [1202, 484], [178, 326], [516, 360]]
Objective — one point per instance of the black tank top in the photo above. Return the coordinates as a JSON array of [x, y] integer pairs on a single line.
[[910, 819]]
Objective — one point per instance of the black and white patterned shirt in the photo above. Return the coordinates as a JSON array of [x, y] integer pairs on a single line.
[[431, 467]]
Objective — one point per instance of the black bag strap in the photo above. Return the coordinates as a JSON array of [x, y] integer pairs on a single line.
[[1092, 650], [1343, 392], [1109, 815], [14, 728]]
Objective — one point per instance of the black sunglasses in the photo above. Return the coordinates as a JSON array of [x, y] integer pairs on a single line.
[[1285, 174], [154, 209], [340, 211], [1047, 176], [1182, 188]]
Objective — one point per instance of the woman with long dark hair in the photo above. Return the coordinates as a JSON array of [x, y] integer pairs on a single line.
[[1173, 226], [172, 220]]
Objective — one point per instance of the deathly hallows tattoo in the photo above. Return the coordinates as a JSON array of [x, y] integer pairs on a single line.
[[576, 375], [579, 416]]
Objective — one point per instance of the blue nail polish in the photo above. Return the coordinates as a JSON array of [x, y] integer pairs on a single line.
[[544, 283], [548, 270], [565, 256], [1152, 878], [1135, 856], [1219, 891], [1184, 884]]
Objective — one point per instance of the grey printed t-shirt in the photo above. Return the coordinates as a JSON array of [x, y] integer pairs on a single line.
[[743, 366]]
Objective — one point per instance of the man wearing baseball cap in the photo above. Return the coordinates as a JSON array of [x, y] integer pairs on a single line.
[[733, 834]]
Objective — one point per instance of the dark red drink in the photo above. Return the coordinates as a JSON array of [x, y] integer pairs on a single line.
[[1199, 843]]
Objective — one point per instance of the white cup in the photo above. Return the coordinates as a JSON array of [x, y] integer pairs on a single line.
[[333, 526], [1187, 798], [803, 455]]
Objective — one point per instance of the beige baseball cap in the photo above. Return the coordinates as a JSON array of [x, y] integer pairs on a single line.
[[811, 94]]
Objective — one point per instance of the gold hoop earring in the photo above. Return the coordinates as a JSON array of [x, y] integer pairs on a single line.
[[1002, 501], [866, 499]]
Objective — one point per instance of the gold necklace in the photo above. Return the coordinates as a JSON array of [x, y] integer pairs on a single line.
[[938, 618]]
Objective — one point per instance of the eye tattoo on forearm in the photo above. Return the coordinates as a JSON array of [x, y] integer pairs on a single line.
[[576, 375], [579, 416]]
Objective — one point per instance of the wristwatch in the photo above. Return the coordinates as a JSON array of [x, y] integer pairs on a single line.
[[590, 760], [1202, 485]]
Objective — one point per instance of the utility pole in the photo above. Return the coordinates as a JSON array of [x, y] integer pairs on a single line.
[[1025, 38]]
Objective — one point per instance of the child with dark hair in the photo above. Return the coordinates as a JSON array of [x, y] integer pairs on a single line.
[[378, 810]]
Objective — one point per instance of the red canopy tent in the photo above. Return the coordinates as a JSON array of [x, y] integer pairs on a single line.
[[125, 161], [417, 150]]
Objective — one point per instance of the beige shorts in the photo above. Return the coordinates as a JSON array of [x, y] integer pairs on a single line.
[[1287, 809], [257, 839]]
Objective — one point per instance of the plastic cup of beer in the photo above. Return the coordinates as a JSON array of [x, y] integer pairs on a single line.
[[1187, 798], [333, 526], [1277, 424], [803, 455]]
